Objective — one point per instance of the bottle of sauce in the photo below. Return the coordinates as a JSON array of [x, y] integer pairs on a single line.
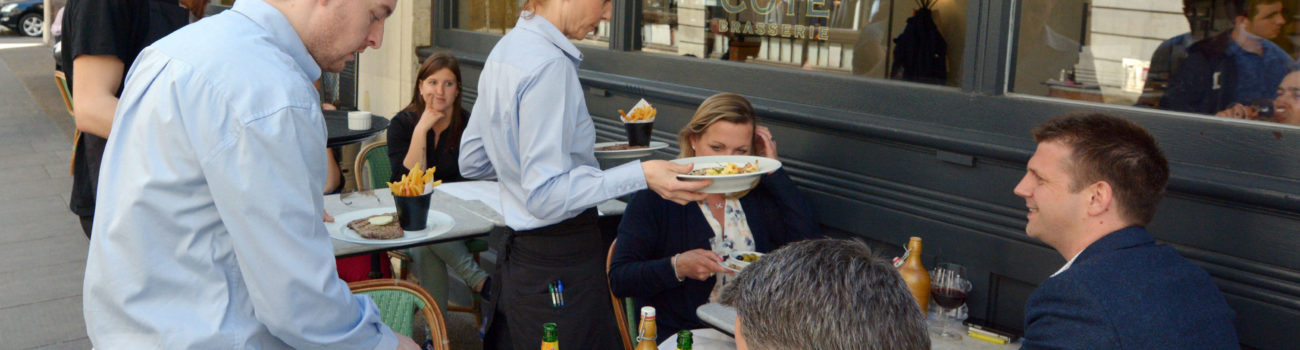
[[684, 340], [550, 337], [647, 333], [915, 275]]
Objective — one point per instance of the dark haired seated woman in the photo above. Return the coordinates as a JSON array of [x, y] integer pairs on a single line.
[[427, 132], [663, 255]]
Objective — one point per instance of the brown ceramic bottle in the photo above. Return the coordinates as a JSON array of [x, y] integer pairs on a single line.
[[915, 275]]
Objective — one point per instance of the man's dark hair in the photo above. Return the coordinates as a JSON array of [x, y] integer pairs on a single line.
[[1114, 150], [1248, 8], [825, 294]]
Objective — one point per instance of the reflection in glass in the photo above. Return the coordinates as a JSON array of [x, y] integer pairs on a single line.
[[860, 37], [499, 16], [1202, 56]]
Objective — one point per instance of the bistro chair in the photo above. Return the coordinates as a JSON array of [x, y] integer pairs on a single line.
[[373, 169], [372, 161], [398, 301], [621, 305]]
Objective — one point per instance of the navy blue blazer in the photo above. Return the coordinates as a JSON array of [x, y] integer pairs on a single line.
[[1127, 292], [654, 229]]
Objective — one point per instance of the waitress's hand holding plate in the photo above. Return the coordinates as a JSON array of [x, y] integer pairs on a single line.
[[732, 182], [663, 177]]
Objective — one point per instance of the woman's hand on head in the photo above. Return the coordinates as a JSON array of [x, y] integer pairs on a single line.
[[768, 144]]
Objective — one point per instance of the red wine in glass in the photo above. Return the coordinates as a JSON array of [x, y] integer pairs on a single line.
[[948, 298]]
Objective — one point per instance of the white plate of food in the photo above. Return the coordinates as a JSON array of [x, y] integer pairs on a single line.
[[620, 150], [729, 173], [737, 261], [438, 223]]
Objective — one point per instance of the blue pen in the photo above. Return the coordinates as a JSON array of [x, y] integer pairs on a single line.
[[560, 289]]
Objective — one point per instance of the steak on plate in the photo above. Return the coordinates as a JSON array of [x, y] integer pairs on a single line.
[[368, 231]]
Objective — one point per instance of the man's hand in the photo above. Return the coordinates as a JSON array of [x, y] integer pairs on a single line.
[[405, 343], [327, 217], [699, 264], [1239, 111], [661, 176]]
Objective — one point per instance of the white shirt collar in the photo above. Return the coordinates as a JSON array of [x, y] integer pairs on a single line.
[[1067, 264]]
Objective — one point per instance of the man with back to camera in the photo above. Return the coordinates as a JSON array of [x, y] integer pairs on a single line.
[[1237, 66], [1091, 187], [209, 233], [857, 301]]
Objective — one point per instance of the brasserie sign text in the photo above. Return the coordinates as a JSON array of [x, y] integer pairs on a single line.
[[814, 8]]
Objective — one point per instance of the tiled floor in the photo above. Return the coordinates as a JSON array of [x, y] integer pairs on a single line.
[[42, 249]]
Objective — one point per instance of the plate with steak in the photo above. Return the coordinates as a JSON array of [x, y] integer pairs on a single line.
[[379, 226], [620, 150]]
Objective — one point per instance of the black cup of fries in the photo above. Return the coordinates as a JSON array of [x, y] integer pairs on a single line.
[[411, 194], [639, 123], [413, 212], [638, 134]]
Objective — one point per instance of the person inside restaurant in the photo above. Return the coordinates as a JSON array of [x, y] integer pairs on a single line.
[[531, 130], [208, 233], [832, 294], [1286, 107], [664, 254], [1240, 65], [1091, 187], [426, 133]]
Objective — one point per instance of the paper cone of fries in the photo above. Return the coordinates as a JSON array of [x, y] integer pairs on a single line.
[[639, 123]]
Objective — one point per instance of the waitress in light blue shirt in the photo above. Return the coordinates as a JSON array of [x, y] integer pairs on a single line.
[[530, 129]]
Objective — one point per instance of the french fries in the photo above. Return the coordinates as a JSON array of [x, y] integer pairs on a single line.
[[642, 113], [412, 184]]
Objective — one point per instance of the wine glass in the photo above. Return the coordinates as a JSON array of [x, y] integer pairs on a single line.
[[948, 286]]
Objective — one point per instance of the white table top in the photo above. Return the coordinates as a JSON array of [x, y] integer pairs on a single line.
[[469, 223], [724, 319], [471, 203]]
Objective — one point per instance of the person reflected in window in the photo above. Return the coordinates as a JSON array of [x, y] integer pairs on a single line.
[[1237, 66], [1286, 107], [427, 132], [1172, 52], [663, 254]]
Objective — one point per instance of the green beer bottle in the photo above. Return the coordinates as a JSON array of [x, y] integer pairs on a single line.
[[684, 340], [550, 337]]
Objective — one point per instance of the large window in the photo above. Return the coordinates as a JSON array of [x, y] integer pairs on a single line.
[[871, 38], [1200, 56]]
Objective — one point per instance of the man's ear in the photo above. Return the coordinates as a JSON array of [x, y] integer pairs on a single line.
[[740, 337], [1101, 198]]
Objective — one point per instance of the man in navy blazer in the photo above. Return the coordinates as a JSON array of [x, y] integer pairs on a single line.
[[1091, 187]]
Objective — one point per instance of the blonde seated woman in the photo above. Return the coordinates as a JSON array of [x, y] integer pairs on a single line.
[[663, 256]]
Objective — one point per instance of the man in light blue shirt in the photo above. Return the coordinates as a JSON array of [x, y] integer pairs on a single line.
[[209, 233]]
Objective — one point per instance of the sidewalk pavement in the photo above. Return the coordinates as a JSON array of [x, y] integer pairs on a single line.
[[42, 248]]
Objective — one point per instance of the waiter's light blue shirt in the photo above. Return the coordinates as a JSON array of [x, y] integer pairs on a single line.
[[531, 130], [208, 232]]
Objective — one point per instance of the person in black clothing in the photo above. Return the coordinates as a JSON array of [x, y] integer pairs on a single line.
[[101, 39], [427, 132], [664, 255]]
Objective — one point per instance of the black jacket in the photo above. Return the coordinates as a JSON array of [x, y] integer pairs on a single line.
[[654, 229], [1207, 81]]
